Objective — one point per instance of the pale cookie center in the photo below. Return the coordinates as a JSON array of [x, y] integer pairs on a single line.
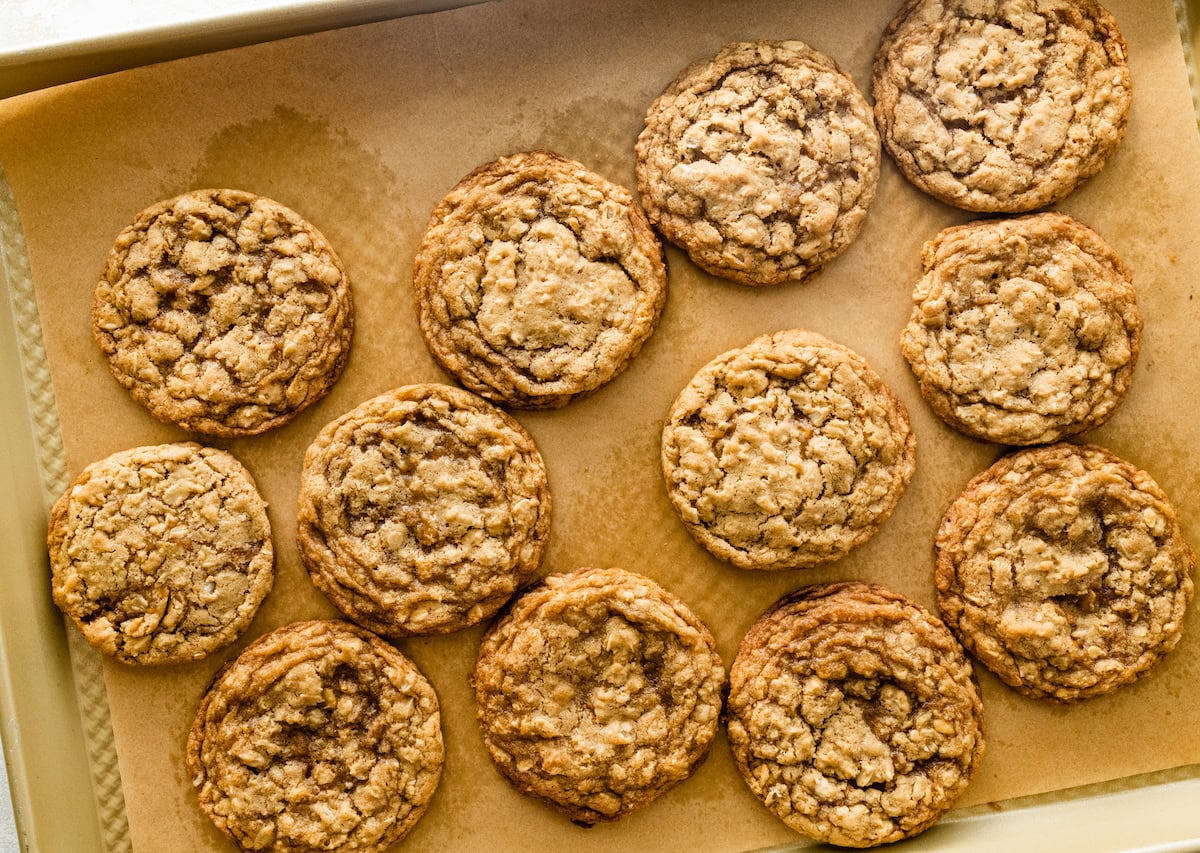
[[996, 102], [331, 739], [1083, 581], [548, 279], [775, 462], [608, 706], [771, 160], [420, 497], [1026, 338], [224, 306], [160, 553]]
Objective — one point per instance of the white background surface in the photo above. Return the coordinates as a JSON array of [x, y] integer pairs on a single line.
[[26, 24]]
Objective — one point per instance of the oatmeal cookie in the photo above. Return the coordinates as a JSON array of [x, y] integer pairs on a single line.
[[1001, 107], [1064, 571], [786, 453], [597, 691], [223, 312], [318, 737], [1024, 331], [854, 714], [161, 554], [760, 162], [537, 281], [422, 510]]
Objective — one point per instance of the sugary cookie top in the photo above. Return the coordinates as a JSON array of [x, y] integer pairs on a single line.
[[537, 280], [318, 737], [223, 312], [761, 162], [161, 554], [598, 691], [854, 715], [1024, 330], [422, 510], [787, 452], [1063, 569], [1001, 106]]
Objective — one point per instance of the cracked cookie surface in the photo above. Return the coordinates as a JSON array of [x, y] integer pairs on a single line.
[[761, 163], [1064, 571], [1001, 107], [223, 312], [537, 281], [786, 453], [319, 736], [854, 714], [597, 691], [422, 510], [1025, 330], [161, 554]]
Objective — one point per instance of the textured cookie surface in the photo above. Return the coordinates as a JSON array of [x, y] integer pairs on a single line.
[[319, 736], [537, 280], [161, 554], [786, 453], [1023, 331], [1003, 107], [854, 715], [422, 510], [223, 312], [1064, 571], [597, 691], [760, 163]]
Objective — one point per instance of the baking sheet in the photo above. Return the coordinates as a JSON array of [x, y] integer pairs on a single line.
[[364, 130]]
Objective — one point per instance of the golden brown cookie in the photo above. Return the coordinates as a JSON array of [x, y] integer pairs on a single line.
[[422, 510], [1001, 107], [854, 714], [161, 554], [537, 281], [786, 453], [1023, 331], [760, 162], [1064, 571], [318, 737], [223, 312], [597, 691]]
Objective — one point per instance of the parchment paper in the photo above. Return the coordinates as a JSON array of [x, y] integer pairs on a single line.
[[363, 130]]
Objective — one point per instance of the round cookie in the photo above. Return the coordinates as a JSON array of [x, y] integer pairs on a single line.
[[319, 736], [1064, 571], [786, 453], [1023, 331], [161, 554], [422, 510], [760, 163], [1001, 107], [854, 714], [537, 281], [597, 691], [223, 312]]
